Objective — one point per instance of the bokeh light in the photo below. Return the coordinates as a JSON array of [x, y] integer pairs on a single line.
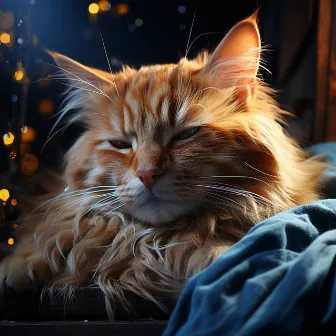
[[46, 106], [29, 164], [104, 5], [122, 9], [138, 22], [131, 28], [35, 40], [5, 38], [29, 135], [182, 9], [182, 26], [4, 194], [10, 241], [14, 202], [8, 138], [6, 20], [15, 226], [93, 8], [18, 75], [12, 155], [24, 129]]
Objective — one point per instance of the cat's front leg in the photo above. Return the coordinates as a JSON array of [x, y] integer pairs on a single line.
[[36, 261], [24, 271]]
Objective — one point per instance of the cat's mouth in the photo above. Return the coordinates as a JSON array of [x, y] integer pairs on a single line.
[[159, 209]]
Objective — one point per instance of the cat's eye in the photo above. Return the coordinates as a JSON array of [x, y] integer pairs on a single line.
[[120, 144], [186, 134]]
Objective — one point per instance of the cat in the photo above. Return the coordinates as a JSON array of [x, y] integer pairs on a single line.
[[177, 162]]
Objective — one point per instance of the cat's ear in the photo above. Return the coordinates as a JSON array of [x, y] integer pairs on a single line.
[[235, 61], [79, 74]]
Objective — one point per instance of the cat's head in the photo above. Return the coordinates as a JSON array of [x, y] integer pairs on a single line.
[[180, 138]]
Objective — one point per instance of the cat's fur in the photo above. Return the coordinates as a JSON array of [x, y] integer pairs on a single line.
[[209, 189]]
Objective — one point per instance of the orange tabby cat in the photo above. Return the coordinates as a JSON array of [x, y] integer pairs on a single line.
[[176, 163]]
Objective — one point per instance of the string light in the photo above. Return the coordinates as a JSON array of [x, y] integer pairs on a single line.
[[5, 38], [8, 138], [93, 8], [4, 194], [15, 226], [14, 202], [10, 241], [24, 129]]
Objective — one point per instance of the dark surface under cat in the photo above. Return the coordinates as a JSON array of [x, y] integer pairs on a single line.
[[87, 304], [84, 315]]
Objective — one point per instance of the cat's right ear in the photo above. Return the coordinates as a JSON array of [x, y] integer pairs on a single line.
[[78, 74], [235, 61]]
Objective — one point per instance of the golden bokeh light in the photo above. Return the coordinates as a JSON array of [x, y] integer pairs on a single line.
[[6, 20], [29, 135], [8, 138], [122, 9], [104, 5], [5, 38], [18, 75], [14, 202], [10, 241], [4, 194], [93, 8], [46, 106], [29, 164]]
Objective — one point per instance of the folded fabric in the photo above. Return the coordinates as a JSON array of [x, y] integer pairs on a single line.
[[278, 280]]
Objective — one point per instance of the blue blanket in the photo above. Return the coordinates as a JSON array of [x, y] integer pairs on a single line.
[[280, 279]]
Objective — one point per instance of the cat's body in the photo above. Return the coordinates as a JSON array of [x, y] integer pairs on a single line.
[[177, 162]]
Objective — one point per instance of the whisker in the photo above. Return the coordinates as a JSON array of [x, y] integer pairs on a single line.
[[70, 194], [109, 64], [260, 171]]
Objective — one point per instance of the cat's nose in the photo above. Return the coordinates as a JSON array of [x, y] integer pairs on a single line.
[[148, 177]]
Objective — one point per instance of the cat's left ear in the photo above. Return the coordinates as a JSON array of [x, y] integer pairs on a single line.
[[235, 61], [80, 75]]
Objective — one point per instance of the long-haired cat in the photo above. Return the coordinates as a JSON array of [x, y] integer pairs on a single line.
[[176, 163]]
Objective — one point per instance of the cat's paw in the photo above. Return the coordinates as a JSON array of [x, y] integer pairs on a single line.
[[24, 273]]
